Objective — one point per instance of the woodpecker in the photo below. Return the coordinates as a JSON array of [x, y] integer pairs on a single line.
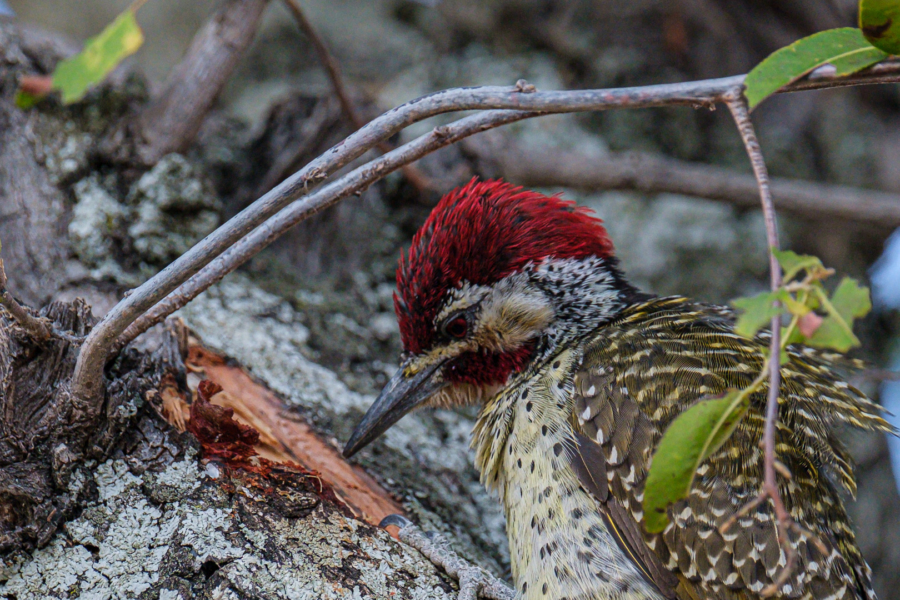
[[514, 301]]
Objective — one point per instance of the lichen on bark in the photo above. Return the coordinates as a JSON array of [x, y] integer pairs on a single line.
[[192, 532]]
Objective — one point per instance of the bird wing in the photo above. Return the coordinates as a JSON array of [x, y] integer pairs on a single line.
[[646, 368]]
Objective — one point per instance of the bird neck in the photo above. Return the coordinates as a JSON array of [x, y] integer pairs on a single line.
[[585, 294]]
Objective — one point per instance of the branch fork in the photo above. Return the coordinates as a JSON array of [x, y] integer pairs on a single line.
[[38, 328]]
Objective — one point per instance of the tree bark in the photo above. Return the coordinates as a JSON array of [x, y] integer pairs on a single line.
[[32, 212], [171, 121], [112, 500]]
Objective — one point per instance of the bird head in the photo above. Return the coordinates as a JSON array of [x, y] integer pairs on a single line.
[[496, 278]]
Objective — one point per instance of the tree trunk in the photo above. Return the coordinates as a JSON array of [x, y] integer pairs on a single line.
[[113, 501]]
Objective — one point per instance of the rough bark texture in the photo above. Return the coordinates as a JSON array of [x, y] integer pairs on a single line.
[[31, 201], [162, 525], [312, 321]]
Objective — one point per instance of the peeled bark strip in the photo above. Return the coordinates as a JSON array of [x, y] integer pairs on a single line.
[[424, 460], [284, 439]]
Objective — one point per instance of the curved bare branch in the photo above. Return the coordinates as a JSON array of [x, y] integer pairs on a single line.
[[87, 383], [352, 183]]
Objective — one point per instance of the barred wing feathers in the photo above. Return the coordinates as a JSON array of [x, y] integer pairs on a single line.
[[659, 358]]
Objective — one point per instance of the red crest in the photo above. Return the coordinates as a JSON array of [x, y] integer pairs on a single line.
[[481, 233]]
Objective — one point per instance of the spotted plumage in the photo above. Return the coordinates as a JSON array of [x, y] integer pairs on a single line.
[[579, 375], [623, 385]]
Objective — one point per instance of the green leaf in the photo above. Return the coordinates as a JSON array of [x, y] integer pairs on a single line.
[[25, 100], [101, 54], [795, 338], [857, 61], [757, 312], [849, 301], [845, 48], [792, 263], [880, 23], [690, 439], [833, 334], [794, 306]]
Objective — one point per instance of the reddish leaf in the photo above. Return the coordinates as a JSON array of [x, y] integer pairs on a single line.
[[809, 323], [36, 85]]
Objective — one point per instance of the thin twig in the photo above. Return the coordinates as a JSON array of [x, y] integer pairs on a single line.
[[412, 174], [87, 382], [36, 328], [737, 104], [653, 173], [328, 61]]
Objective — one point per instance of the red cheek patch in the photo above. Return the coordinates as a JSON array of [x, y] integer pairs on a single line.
[[483, 367]]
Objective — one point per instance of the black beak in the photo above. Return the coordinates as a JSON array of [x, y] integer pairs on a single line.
[[399, 396]]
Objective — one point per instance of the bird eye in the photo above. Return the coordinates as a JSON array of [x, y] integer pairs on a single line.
[[456, 327]]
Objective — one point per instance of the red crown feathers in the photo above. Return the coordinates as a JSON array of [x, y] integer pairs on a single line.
[[481, 233]]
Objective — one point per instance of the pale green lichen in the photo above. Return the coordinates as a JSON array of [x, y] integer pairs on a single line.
[[174, 206], [206, 542], [166, 211], [97, 218], [113, 551], [178, 479], [114, 478], [204, 531]]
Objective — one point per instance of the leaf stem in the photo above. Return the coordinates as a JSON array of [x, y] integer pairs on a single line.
[[795, 320], [831, 310], [737, 105]]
